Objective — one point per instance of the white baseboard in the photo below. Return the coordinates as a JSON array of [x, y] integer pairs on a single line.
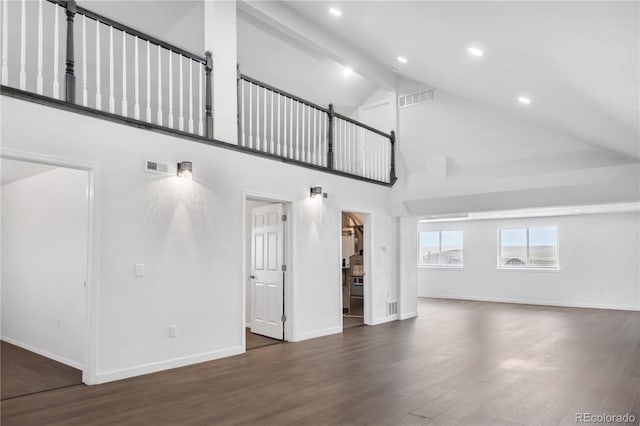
[[63, 360], [154, 367], [382, 320], [318, 333], [408, 315], [535, 302]]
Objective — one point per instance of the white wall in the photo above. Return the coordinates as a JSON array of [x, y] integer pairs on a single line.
[[599, 264], [189, 237], [44, 259]]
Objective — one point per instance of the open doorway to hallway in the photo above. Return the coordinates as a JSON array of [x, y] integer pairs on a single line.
[[353, 276], [45, 237], [265, 248]]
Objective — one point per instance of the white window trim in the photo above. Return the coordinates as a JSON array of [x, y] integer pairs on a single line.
[[528, 267], [440, 265]]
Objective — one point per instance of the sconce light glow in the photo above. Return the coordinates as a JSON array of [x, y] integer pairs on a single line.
[[316, 192], [402, 59], [348, 71], [524, 100], [475, 51], [185, 170], [335, 12]]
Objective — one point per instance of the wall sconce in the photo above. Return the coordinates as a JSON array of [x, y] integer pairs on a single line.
[[316, 192], [185, 170]]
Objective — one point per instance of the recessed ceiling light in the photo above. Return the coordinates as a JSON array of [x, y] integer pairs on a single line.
[[402, 59], [335, 12], [347, 71], [475, 51], [524, 100], [577, 210]]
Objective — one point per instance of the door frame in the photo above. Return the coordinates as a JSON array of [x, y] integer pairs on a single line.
[[288, 259], [367, 243], [89, 368]]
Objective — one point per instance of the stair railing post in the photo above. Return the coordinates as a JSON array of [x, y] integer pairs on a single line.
[[70, 78], [392, 171], [240, 103], [208, 115], [330, 138]]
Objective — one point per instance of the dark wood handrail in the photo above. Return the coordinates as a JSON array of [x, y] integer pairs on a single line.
[[132, 31]]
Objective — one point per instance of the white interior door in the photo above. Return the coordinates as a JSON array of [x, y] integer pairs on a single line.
[[267, 279]]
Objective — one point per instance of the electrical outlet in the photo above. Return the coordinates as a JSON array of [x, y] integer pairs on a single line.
[[173, 331], [139, 270]]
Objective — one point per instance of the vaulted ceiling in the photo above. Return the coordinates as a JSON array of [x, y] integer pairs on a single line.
[[578, 61]]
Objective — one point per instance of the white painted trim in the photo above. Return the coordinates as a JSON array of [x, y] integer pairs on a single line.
[[383, 320], [408, 315], [89, 370], [318, 333], [45, 354], [154, 367], [535, 302]]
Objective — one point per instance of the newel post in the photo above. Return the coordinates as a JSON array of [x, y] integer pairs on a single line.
[[70, 78], [392, 172], [330, 138], [207, 108]]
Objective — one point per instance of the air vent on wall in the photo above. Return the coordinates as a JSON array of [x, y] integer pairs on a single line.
[[156, 167], [415, 98], [392, 308]]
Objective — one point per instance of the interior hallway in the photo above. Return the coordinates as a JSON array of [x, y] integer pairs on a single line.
[[25, 372], [457, 363]]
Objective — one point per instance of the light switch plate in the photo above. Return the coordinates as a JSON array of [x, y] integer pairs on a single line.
[[139, 270]]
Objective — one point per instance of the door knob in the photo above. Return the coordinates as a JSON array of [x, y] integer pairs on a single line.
[[253, 277]]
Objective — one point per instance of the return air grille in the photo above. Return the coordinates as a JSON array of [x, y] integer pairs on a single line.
[[392, 308], [415, 98]]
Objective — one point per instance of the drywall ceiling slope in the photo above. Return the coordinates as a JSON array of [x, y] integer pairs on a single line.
[[280, 61], [578, 61]]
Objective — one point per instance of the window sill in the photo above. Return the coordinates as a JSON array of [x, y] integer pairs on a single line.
[[529, 269], [441, 266]]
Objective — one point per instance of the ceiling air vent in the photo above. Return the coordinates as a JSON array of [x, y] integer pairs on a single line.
[[415, 98]]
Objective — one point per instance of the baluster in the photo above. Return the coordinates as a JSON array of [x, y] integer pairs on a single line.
[[190, 95], [208, 103], [181, 116], [170, 114], [125, 106], [314, 144], [265, 142], [257, 117], [98, 95], [392, 159], [243, 139], [250, 115], [39, 89], [136, 76], [148, 82], [284, 127], [308, 147], [297, 152], [159, 86], [271, 146], [338, 144], [23, 44], [302, 132], [348, 141], [69, 76], [289, 150], [112, 101], [85, 94], [330, 118], [279, 141], [200, 129], [5, 48]]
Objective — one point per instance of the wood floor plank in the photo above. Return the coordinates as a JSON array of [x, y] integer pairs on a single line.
[[459, 362]]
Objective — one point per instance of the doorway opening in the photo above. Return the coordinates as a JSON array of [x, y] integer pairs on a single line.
[[45, 249], [353, 267], [266, 272]]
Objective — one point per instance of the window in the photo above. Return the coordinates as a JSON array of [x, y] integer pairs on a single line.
[[440, 248], [528, 248]]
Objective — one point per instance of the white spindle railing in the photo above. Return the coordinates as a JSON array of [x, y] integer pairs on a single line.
[[124, 74], [112, 99], [98, 94], [5, 44], [39, 81], [85, 93]]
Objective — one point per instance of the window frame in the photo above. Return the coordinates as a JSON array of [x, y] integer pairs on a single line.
[[440, 265], [528, 267]]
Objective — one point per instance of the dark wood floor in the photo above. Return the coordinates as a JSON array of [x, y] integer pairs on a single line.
[[25, 372], [349, 322], [468, 363], [255, 341]]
